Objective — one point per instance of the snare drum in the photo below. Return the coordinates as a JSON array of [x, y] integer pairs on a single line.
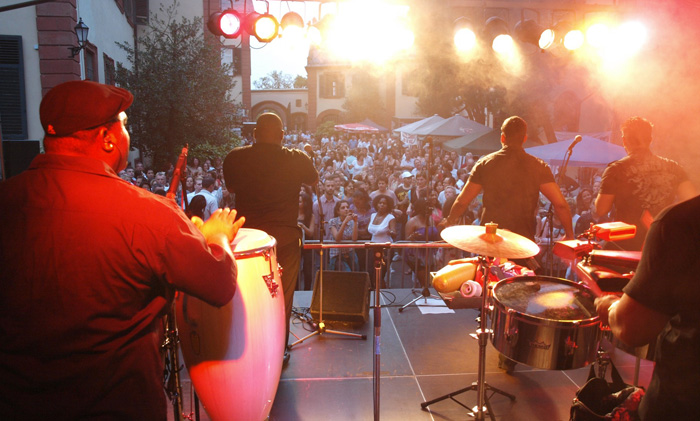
[[545, 322], [234, 353]]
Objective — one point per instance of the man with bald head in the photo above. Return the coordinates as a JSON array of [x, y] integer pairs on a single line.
[[266, 179]]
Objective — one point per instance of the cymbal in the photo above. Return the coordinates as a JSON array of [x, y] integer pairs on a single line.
[[490, 241]]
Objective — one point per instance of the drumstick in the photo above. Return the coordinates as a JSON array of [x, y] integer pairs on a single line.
[[593, 286]]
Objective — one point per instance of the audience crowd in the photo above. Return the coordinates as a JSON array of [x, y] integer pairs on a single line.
[[358, 172]]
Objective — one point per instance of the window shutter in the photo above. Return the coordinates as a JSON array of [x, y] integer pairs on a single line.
[[13, 112]]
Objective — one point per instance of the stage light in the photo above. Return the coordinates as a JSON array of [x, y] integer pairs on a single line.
[[547, 38], [404, 39], [632, 35], [227, 24], [496, 32], [573, 40], [291, 19], [597, 35], [314, 35], [464, 36], [292, 25], [264, 27], [503, 44], [528, 31], [562, 33]]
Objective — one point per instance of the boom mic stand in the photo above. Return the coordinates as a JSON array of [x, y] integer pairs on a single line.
[[550, 211], [425, 292], [320, 327], [378, 251]]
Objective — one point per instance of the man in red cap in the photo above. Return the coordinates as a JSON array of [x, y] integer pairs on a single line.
[[84, 279]]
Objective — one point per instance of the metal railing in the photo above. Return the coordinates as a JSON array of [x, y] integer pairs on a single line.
[[403, 259]]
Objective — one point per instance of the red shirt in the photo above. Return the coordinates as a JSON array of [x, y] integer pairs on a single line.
[[89, 263]]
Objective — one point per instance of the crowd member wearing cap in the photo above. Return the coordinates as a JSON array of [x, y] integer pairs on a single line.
[[266, 178], [85, 280]]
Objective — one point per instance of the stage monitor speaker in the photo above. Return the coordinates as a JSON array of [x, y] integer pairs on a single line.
[[345, 297]]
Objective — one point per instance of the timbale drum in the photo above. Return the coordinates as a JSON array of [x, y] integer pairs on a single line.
[[234, 353], [545, 322]]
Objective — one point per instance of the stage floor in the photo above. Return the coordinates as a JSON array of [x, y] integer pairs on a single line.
[[423, 357]]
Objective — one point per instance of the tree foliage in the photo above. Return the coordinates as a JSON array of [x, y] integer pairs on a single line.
[[275, 80], [364, 99], [300, 82], [181, 90], [326, 129]]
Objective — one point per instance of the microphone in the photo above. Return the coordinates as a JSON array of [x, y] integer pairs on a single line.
[[576, 141]]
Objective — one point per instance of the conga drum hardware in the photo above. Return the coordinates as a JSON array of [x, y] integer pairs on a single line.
[[269, 278]]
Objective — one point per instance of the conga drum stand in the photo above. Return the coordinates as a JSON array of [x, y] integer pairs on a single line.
[[485, 241]]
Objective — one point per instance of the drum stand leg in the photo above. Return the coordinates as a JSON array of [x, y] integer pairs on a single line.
[[171, 345], [480, 386], [425, 293], [320, 326]]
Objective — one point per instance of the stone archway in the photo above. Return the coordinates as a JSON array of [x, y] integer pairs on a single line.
[[328, 115], [298, 122], [269, 107]]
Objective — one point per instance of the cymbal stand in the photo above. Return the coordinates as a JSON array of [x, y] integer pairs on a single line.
[[425, 292], [320, 327], [480, 386]]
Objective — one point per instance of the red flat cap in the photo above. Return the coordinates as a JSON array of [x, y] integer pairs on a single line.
[[80, 104]]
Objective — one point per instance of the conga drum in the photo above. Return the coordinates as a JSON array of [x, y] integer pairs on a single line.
[[234, 353]]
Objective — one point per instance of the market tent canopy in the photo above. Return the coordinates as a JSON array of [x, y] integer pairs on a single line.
[[356, 128], [454, 126], [476, 144], [479, 144], [591, 152], [409, 128], [370, 123]]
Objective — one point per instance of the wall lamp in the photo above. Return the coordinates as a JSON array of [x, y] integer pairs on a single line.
[[81, 32]]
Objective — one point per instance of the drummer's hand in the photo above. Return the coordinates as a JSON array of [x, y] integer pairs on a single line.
[[221, 222], [443, 224], [602, 306]]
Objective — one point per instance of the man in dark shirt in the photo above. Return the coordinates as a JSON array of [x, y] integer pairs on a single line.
[[512, 180], [266, 178], [85, 279], [662, 301], [641, 184]]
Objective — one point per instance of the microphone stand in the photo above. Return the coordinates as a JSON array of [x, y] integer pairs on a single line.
[[320, 327], [550, 211], [425, 292]]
